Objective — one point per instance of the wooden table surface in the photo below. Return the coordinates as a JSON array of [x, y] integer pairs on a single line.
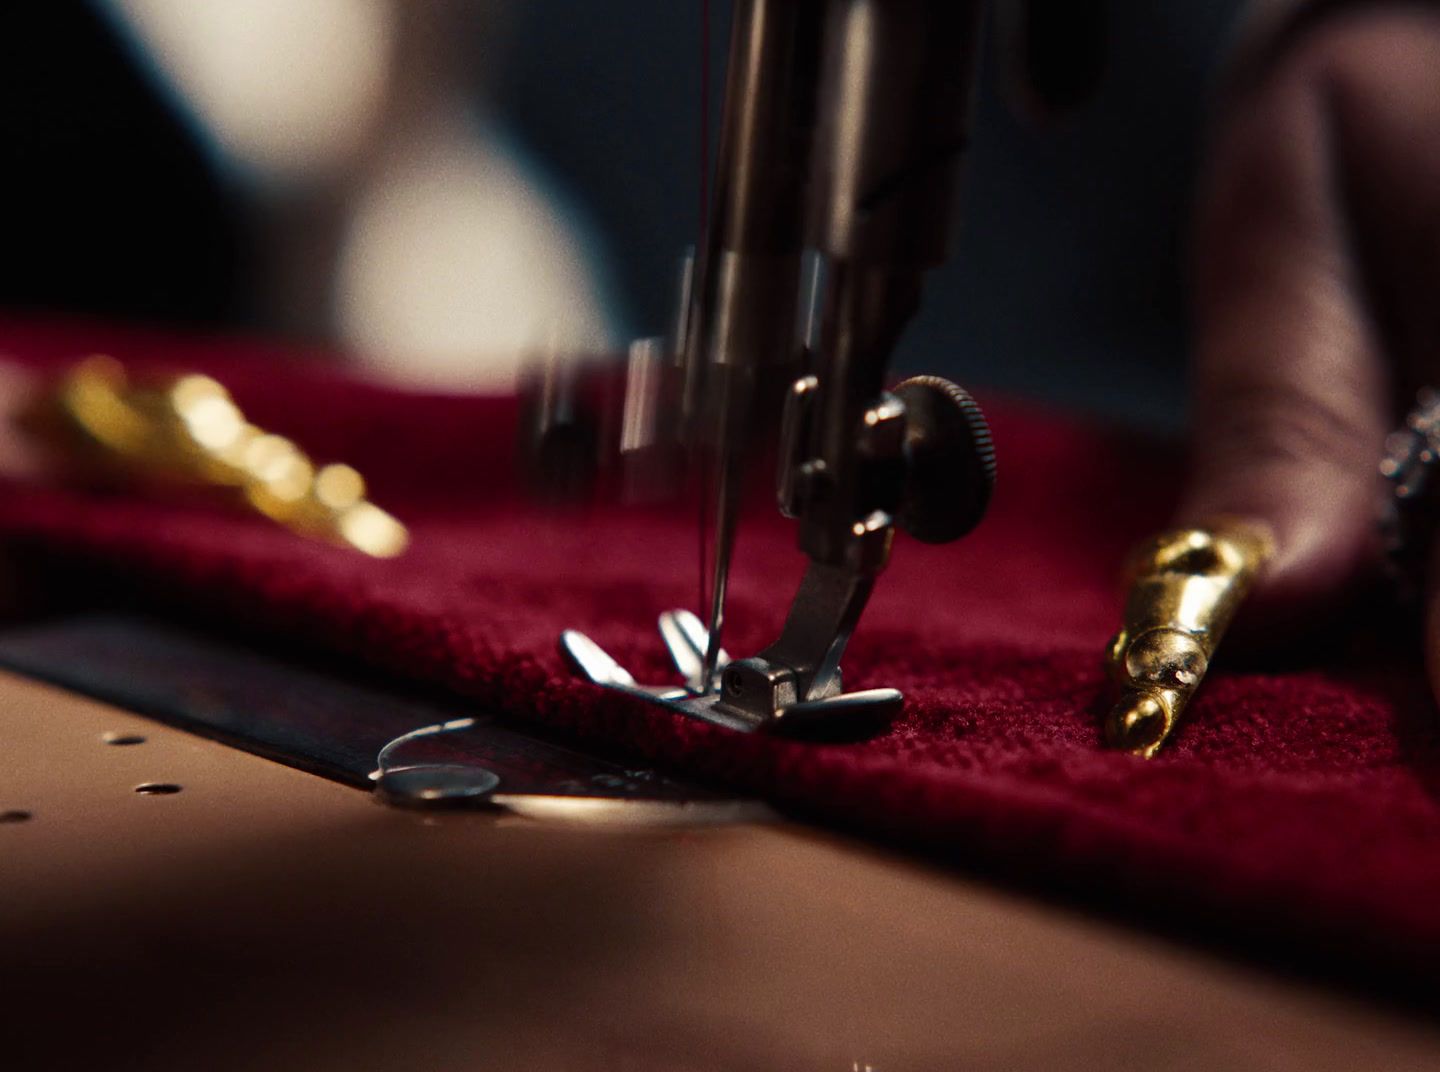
[[264, 918]]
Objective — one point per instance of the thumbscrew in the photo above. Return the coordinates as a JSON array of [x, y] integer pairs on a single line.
[[950, 472]]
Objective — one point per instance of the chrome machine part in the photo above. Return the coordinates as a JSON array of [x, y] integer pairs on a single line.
[[460, 764], [834, 717], [743, 339], [950, 460], [895, 86], [360, 734], [844, 127]]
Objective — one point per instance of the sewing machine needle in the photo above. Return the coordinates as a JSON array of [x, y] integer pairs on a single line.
[[727, 508]]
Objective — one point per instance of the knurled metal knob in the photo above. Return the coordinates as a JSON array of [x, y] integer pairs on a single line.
[[950, 460]]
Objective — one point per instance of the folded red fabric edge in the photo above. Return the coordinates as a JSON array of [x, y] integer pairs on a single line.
[[1297, 808]]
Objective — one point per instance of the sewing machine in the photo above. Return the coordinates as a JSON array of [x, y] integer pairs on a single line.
[[844, 128], [174, 892]]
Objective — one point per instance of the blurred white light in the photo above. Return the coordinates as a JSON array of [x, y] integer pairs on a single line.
[[456, 270], [288, 87]]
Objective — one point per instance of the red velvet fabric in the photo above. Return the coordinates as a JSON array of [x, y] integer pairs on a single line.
[[1301, 804]]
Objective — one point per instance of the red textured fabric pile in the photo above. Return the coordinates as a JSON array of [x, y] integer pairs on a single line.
[[1299, 804]]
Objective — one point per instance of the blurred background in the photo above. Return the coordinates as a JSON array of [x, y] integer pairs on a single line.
[[444, 188]]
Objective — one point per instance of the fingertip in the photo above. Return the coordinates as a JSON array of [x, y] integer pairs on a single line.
[[1323, 534]]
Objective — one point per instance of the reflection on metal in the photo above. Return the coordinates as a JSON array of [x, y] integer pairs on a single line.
[[633, 812], [458, 764], [843, 131], [432, 784], [411, 781], [644, 381], [1184, 588], [188, 430], [748, 694], [344, 730]]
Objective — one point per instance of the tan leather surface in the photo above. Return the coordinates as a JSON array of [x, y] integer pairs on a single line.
[[264, 918]]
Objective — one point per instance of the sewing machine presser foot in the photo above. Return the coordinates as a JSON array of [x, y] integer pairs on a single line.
[[834, 716]]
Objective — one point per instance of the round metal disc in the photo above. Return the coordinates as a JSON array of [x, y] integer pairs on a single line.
[[436, 785]]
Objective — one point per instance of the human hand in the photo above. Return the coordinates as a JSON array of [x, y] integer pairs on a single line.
[[1317, 287]]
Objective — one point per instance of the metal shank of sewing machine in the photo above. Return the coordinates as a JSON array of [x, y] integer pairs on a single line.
[[844, 126]]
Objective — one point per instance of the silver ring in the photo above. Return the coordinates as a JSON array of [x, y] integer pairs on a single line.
[[1410, 508]]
